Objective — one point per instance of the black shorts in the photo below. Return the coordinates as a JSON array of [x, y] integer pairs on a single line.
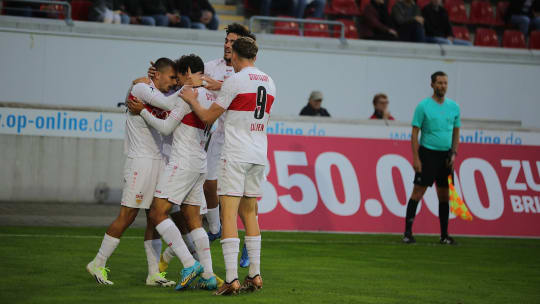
[[434, 168]]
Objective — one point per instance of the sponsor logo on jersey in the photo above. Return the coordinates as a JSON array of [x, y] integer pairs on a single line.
[[139, 198]]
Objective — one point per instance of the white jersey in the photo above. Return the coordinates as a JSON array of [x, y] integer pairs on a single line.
[[248, 97], [141, 141], [189, 132], [218, 70]]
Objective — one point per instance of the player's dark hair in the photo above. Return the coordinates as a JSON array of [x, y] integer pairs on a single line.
[[162, 63], [240, 30], [378, 96], [437, 74], [245, 47], [192, 62]]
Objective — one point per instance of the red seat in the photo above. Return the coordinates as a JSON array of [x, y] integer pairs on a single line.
[[534, 40], [461, 32], [514, 39], [456, 11], [486, 37], [286, 28], [342, 7], [350, 29], [502, 7], [79, 9], [422, 3], [316, 29], [481, 13], [391, 5]]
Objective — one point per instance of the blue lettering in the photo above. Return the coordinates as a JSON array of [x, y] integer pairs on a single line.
[[21, 123], [40, 122], [11, 121], [299, 131], [108, 126], [50, 122], [83, 124], [496, 140]]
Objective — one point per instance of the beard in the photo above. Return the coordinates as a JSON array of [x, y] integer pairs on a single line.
[[440, 93]]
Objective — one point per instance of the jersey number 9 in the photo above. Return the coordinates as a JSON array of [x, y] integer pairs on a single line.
[[261, 103]]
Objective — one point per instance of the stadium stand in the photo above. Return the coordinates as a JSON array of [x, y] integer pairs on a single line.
[[456, 11], [351, 32], [486, 37], [514, 39], [481, 13], [461, 32], [534, 40], [286, 28], [79, 9], [316, 30], [342, 7], [500, 13]]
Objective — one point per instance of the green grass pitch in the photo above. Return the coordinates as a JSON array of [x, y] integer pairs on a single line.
[[47, 265]]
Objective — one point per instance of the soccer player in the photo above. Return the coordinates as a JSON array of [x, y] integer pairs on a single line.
[[246, 99], [216, 72], [181, 181], [142, 145], [438, 119]]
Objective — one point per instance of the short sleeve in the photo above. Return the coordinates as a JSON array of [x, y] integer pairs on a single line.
[[418, 117], [226, 94], [457, 119], [144, 92]]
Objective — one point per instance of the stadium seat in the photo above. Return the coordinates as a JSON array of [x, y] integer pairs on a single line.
[[461, 32], [363, 4], [534, 40], [481, 13], [350, 29], [342, 7], [316, 29], [456, 11], [502, 7], [286, 28], [486, 37], [422, 3], [514, 39], [390, 4], [79, 9]]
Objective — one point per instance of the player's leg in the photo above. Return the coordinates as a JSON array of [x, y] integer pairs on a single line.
[[169, 232], [230, 243], [152, 247], [168, 254], [212, 201], [443, 194], [244, 257], [110, 241], [248, 214]]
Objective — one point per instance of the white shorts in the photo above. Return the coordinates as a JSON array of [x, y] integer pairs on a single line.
[[204, 210], [240, 179], [140, 179], [180, 186], [213, 155]]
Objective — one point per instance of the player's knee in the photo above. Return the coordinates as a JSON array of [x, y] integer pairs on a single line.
[[155, 216], [209, 188]]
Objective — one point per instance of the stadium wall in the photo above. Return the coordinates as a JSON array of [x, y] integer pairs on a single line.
[[91, 64]]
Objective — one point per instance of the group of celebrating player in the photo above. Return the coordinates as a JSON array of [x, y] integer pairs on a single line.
[[169, 173]]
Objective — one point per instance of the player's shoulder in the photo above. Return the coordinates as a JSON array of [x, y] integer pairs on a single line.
[[423, 103], [214, 63], [452, 103]]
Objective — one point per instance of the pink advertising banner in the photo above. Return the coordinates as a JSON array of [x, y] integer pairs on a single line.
[[362, 185]]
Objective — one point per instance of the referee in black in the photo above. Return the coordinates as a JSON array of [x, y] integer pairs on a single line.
[[437, 119]]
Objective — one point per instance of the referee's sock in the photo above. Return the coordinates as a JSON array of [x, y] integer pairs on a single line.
[[444, 212], [409, 219]]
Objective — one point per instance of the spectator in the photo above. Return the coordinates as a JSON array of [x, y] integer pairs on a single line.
[[380, 106], [376, 22], [108, 11], [23, 9], [203, 15], [285, 7], [406, 15], [317, 5], [154, 13], [522, 13], [437, 25], [313, 108], [179, 13]]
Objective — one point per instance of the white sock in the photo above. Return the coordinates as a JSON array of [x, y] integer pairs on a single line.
[[213, 220], [231, 247], [168, 255], [253, 244], [151, 258], [202, 244], [108, 245], [189, 242], [156, 244], [170, 233]]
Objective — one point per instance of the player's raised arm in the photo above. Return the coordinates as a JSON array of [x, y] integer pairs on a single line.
[[150, 96], [207, 116]]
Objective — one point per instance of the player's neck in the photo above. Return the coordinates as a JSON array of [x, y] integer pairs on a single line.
[[438, 99]]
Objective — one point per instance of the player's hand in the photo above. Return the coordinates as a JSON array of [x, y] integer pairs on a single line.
[[141, 80], [211, 84], [417, 165], [393, 32], [451, 160], [135, 106], [189, 95], [151, 70]]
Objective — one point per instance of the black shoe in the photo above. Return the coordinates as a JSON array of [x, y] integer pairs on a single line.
[[408, 239], [447, 241]]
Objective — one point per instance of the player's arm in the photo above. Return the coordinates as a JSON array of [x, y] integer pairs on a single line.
[[211, 84], [417, 165], [163, 126], [207, 116], [152, 97], [454, 149]]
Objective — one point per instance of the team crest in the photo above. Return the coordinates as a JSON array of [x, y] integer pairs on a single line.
[[139, 198]]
